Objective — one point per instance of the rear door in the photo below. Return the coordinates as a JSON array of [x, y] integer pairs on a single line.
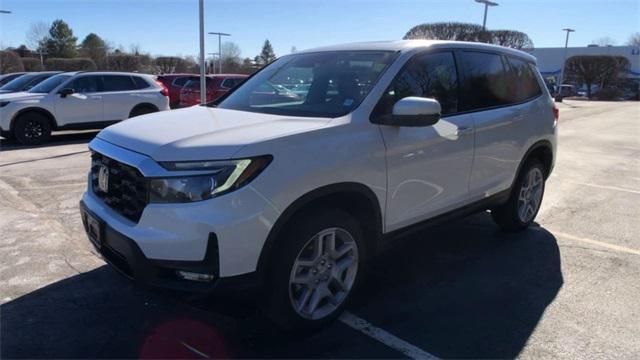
[[428, 167], [119, 95], [492, 91], [85, 105]]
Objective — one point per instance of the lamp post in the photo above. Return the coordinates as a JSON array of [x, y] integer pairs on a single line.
[[486, 3], [564, 60], [203, 85], [220, 35]]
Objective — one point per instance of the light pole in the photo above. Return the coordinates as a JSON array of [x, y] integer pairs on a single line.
[[220, 35], [203, 85], [564, 60], [486, 3]]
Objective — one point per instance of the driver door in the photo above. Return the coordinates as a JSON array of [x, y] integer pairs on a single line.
[[428, 168], [85, 105]]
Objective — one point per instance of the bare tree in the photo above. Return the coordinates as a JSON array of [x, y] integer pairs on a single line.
[[445, 31], [10, 62], [167, 64], [595, 70], [37, 35], [32, 64], [124, 62], [66, 64], [634, 39], [604, 41], [511, 38]]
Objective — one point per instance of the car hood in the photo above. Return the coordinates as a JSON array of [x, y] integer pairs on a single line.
[[19, 96], [198, 132]]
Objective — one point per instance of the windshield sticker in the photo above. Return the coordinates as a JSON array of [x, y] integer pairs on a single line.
[[347, 102]]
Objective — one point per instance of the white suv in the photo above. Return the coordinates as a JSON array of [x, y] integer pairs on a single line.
[[80, 100], [292, 194]]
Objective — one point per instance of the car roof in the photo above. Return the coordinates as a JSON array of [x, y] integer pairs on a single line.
[[412, 45], [73, 73]]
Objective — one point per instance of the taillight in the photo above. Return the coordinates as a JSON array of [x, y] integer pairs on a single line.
[[164, 91], [556, 112]]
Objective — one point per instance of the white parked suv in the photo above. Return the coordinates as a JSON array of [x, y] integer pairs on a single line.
[[292, 195], [78, 100]]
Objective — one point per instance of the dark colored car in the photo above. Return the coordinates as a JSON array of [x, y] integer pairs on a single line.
[[26, 81], [174, 83], [5, 78], [217, 85]]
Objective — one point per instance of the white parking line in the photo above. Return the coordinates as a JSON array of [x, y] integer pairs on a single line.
[[607, 187], [623, 249], [384, 337]]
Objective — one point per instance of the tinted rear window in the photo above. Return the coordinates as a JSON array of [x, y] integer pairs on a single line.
[[485, 83], [118, 83], [523, 81], [140, 82]]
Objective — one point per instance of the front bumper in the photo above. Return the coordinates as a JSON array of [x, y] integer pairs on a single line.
[[123, 254]]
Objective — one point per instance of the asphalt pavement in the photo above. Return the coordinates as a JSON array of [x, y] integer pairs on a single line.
[[568, 287]]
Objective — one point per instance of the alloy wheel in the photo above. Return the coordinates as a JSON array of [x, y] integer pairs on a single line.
[[323, 273], [530, 195]]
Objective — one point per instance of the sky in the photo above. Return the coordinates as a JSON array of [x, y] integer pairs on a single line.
[[170, 27]]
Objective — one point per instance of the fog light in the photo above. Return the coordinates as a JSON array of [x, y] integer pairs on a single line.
[[186, 275]]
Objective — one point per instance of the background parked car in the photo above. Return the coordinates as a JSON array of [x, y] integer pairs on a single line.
[[26, 81], [175, 83], [5, 78], [79, 100], [217, 85]]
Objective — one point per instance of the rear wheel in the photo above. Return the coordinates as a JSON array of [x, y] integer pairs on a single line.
[[319, 267], [32, 129], [525, 199], [142, 110]]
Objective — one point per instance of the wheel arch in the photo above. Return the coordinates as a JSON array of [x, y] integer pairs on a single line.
[[355, 198], [45, 112], [144, 105], [543, 151]]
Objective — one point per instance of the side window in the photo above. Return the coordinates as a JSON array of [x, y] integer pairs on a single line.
[[229, 83], [181, 81], [118, 83], [86, 84], [429, 76], [523, 79], [486, 82], [140, 82]]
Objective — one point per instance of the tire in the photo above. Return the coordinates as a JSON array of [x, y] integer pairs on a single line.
[[316, 277], [525, 199], [32, 129], [142, 110]]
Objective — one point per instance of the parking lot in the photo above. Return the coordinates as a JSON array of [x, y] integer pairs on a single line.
[[569, 287]]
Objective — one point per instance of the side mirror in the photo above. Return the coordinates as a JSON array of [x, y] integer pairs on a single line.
[[65, 92], [416, 111]]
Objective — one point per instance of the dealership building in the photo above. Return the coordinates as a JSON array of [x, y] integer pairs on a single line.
[[550, 59]]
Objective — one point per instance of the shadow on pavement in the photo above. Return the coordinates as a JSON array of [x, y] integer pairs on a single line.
[[57, 139], [457, 290]]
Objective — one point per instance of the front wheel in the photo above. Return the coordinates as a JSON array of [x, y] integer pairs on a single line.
[[525, 199], [32, 129], [318, 268]]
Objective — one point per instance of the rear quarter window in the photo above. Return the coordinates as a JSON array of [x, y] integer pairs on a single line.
[[140, 82], [118, 83], [523, 80]]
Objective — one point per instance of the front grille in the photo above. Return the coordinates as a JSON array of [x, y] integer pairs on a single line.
[[127, 189]]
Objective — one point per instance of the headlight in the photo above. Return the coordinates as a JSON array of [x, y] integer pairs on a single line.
[[4, 103], [223, 177]]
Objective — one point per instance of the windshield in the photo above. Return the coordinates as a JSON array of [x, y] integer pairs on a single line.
[[19, 83], [323, 84], [50, 84]]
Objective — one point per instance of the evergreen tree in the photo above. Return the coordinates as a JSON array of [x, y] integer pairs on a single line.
[[61, 43]]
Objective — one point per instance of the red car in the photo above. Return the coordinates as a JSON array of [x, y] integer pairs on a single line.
[[217, 85], [174, 83]]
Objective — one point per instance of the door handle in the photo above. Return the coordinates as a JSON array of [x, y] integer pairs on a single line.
[[463, 130]]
